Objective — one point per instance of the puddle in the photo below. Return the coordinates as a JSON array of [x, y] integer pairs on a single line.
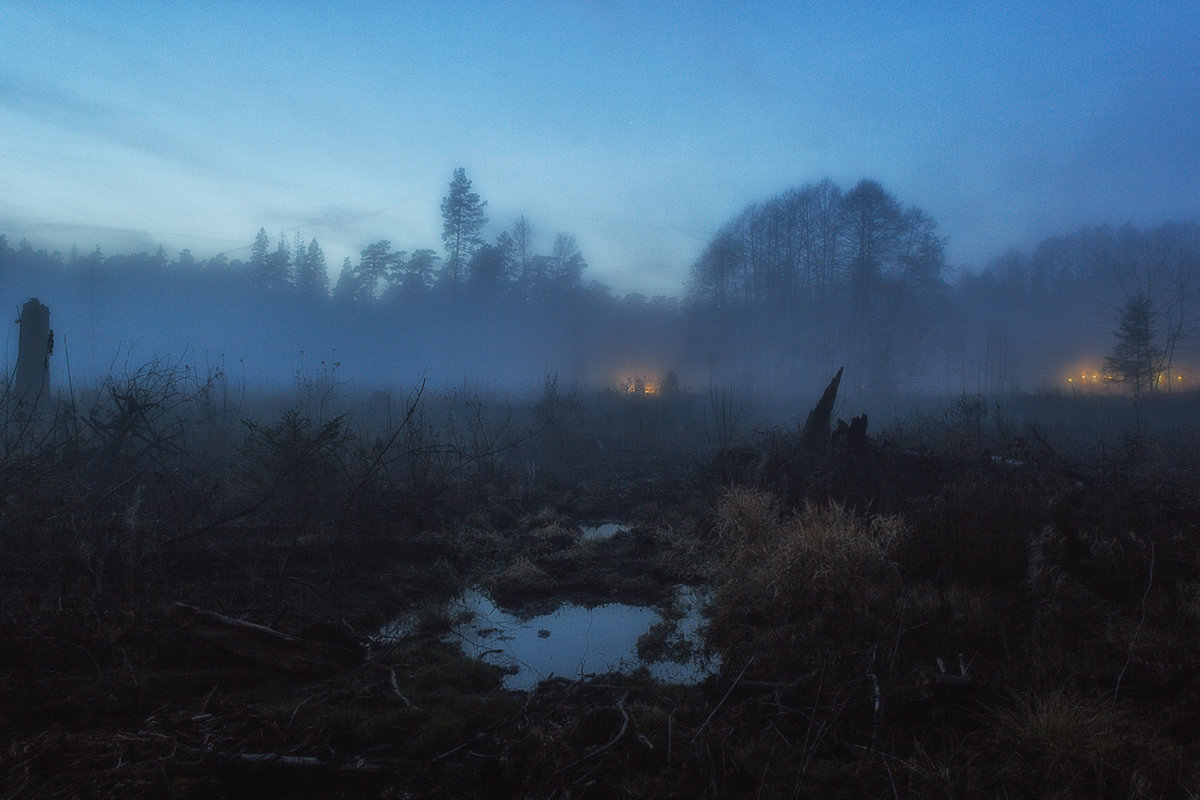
[[574, 641], [604, 530]]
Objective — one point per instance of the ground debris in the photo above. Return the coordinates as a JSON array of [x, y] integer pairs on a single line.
[[265, 646]]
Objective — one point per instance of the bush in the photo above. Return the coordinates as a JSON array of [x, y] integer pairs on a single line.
[[300, 466]]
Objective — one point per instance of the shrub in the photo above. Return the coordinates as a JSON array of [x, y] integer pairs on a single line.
[[299, 465]]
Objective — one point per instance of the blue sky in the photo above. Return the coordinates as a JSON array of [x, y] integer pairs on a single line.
[[639, 127]]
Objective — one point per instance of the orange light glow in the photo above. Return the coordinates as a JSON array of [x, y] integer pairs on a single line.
[[1086, 376], [1083, 376], [641, 385]]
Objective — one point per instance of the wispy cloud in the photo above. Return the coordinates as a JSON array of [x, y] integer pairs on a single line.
[[106, 123]]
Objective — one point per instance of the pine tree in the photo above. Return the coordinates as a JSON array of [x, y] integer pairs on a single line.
[[375, 262], [312, 276], [462, 220], [1137, 356], [418, 271], [260, 252], [348, 289], [278, 276]]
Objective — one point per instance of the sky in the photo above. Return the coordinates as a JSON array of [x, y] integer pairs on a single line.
[[640, 128]]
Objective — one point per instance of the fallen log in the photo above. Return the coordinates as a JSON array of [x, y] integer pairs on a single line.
[[266, 646]]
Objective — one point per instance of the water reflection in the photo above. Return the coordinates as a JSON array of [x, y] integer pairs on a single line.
[[605, 530], [574, 641]]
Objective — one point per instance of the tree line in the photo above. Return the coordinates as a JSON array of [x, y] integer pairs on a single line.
[[498, 309], [826, 277], [386, 276], [786, 291], [1129, 295], [830, 276], [807, 245]]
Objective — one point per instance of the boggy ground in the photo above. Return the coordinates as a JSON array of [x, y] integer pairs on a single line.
[[116, 684], [890, 622]]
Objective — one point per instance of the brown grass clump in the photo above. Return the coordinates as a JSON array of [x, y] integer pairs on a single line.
[[822, 579], [552, 538], [820, 546], [1061, 745], [521, 574]]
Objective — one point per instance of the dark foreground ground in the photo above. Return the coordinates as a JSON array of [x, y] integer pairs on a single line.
[[968, 614]]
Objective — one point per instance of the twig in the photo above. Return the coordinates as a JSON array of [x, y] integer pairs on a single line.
[[611, 742], [396, 688], [292, 718], [451, 751], [1138, 629], [394, 682], [670, 732], [729, 691], [352, 496], [216, 523], [281, 760]]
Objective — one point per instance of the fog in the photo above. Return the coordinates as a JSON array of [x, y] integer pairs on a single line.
[[946, 199], [787, 291]]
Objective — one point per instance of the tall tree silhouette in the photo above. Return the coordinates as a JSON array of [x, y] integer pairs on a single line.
[[462, 220], [871, 220], [522, 251], [566, 262], [349, 287], [375, 263], [279, 267], [260, 255], [312, 274], [418, 272], [1137, 357]]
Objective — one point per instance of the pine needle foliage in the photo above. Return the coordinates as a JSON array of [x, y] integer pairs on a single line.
[[299, 464], [1137, 357]]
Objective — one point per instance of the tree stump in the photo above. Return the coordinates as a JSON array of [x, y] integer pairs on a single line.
[[815, 434], [32, 380]]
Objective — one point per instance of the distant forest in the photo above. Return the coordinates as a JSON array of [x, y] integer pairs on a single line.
[[787, 291]]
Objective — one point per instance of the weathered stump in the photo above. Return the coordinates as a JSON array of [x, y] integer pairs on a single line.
[[32, 381], [815, 435]]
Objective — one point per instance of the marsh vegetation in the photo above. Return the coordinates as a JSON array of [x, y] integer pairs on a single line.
[[989, 595]]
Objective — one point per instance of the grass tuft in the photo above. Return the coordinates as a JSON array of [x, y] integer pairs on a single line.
[[818, 580]]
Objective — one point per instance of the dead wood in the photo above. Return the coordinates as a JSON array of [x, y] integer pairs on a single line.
[[265, 646], [815, 435], [854, 435], [32, 380]]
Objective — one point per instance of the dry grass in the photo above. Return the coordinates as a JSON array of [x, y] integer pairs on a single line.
[[522, 571], [796, 586], [820, 546], [1061, 745]]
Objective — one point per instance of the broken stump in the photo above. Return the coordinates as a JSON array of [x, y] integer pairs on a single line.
[[32, 381]]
